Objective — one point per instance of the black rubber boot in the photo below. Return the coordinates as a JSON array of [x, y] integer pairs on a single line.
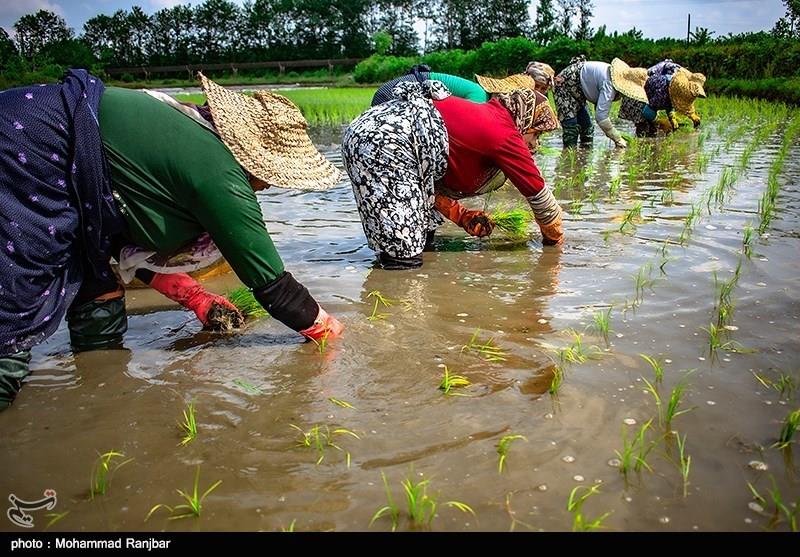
[[399, 263], [569, 134], [429, 240], [97, 325], [587, 134], [646, 129], [13, 369]]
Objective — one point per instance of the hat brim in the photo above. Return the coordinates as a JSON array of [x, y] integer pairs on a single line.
[[269, 140], [620, 71], [506, 84]]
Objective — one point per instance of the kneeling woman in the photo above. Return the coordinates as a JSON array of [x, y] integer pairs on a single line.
[[422, 150]]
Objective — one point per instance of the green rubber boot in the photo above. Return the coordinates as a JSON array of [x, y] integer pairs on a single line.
[[569, 134], [13, 369], [97, 325]]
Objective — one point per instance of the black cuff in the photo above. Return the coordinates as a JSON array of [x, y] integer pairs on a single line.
[[399, 263], [289, 302]]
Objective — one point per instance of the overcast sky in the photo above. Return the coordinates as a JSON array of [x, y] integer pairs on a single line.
[[656, 18]]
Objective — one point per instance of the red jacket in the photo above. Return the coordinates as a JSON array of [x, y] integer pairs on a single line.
[[482, 138]]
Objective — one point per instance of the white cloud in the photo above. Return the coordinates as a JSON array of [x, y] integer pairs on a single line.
[[12, 10]]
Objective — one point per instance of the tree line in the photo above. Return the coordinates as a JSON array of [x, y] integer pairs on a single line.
[[460, 35]]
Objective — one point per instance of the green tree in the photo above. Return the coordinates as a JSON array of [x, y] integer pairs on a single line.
[[566, 11], [217, 23], [172, 36], [788, 27], [35, 31], [544, 27], [701, 36], [585, 13], [8, 50]]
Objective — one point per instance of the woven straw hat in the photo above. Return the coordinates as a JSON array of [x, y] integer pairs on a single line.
[[629, 81], [507, 84], [267, 135], [684, 88]]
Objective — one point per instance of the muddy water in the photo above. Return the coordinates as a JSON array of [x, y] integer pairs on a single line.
[[250, 388]]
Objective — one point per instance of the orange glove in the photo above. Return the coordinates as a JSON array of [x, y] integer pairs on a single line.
[[325, 326], [553, 233], [476, 223], [181, 288]]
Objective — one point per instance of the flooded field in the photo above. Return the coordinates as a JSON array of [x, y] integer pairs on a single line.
[[665, 257]]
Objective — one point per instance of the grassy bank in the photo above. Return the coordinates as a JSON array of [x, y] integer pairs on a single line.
[[785, 89], [319, 106]]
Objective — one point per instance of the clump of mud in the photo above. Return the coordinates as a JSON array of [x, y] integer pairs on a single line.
[[223, 319]]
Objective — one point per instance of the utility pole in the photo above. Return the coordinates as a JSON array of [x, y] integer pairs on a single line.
[[689, 29]]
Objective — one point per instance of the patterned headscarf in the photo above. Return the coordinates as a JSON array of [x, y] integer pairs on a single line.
[[530, 110], [541, 73]]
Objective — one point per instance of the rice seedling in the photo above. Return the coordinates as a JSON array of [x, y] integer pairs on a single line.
[[652, 391], [688, 224], [379, 300], [593, 197], [557, 380], [189, 425], [602, 322], [634, 453], [512, 514], [194, 501], [322, 343], [502, 449], [671, 411], [451, 381], [613, 188], [656, 364], [248, 387], [643, 280], [514, 222], [54, 518], [104, 467], [717, 342], [576, 206], [789, 429], [420, 505], [341, 403], [747, 241], [786, 385], [488, 350], [575, 505], [291, 526], [781, 508], [667, 196], [630, 217], [244, 300], [684, 463], [577, 353], [320, 437]]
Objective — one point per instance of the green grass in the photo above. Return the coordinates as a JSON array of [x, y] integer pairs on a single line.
[[244, 300], [581, 523], [514, 222], [104, 467], [451, 381], [421, 506], [189, 425], [320, 106], [194, 501], [502, 449]]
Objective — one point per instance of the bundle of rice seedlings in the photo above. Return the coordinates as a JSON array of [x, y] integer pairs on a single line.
[[514, 222], [243, 299]]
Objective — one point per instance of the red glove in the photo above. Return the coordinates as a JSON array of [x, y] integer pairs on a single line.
[[476, 223], [325, 326], [189, 293]]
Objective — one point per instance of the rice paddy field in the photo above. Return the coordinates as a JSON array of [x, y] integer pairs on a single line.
[[642, 378]]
